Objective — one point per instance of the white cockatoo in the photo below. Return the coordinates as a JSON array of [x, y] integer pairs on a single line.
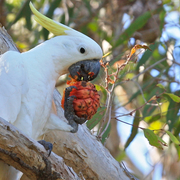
[[27, 80]]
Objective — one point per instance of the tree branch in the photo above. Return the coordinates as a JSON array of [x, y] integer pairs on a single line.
[[6, 42], [28, 156]]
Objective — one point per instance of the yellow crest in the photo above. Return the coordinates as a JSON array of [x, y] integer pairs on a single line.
[[52, 26]]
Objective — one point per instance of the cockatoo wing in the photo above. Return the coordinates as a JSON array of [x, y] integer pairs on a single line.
[[13, 84]]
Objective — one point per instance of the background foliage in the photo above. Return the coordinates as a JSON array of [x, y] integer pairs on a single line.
[[145, 89]]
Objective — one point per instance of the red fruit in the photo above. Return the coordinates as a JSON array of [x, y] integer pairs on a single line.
[[87, 98]]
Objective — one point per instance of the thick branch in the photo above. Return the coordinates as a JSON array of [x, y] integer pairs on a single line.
[[28, 156], [6, 43]]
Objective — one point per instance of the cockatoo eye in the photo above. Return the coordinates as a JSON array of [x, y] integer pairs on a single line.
[[82, 50]]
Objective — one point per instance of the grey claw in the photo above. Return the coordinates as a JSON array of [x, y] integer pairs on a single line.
[[47, 145], [69, 113], [79, 120]]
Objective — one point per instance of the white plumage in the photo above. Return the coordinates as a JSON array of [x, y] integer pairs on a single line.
[[27, 81]]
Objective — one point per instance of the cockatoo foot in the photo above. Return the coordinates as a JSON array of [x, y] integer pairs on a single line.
[[69, 113], [47, 145]]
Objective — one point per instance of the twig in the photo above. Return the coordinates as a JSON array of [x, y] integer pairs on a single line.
[[150, 67], [109, 99], [140, 90], [130, 113]]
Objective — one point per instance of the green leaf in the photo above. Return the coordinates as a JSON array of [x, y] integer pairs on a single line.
[[160, 86], [150, 119], [103, 90], [28, 18], [173, 138], [71, 15], [166, 1], [162, 19], [148, 110], [134, 129], [106, 133], [121, 156], [177, 127], [93, 26], [137, 24], [96, 118], [171, 116], [172, 113], [153, 139], [22, 13], [173, 97], [162, 141]]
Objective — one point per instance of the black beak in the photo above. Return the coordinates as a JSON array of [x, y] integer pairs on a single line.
[[85, 70]]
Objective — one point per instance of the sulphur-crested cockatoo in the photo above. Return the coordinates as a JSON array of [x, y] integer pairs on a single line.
[[27, 80]]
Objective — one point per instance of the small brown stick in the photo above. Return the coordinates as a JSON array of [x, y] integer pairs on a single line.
[[109, 98]]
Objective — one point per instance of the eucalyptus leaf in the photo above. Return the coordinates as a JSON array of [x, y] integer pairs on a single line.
[[173, 138], [174, 97], [96, 118], [152, 138], [134, 129]]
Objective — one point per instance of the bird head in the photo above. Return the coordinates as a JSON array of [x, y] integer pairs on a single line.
[[83, 53]]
